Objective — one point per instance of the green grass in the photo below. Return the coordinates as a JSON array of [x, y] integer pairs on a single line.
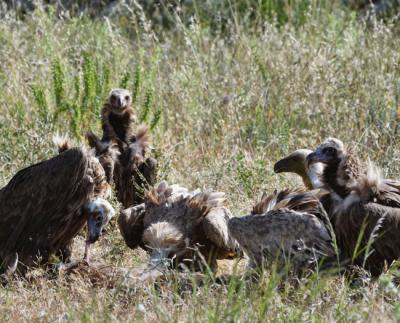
[[225, 98]]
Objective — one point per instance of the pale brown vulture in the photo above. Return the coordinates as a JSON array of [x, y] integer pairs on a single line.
[[287, 228], [366, 206], [176, 226], [127, 165], [44, 207]]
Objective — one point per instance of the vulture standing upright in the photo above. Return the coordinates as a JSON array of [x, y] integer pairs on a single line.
[[44, 206], [366, 213], [287, 228], [123, 151], [173, 224]]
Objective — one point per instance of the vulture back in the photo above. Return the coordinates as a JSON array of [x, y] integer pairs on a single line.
[[41, 207]]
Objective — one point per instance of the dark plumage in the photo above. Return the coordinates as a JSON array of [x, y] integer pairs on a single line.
[[172, 223], [365, 205], [289, 225], [342, 166], [135, 172], [117, 116], [42, 208]]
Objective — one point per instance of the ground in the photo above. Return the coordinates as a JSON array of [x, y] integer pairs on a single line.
[[225, 100]]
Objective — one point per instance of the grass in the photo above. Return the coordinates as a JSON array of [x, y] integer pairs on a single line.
[[225, 99]]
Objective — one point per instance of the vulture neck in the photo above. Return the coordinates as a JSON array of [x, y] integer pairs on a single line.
[[330, 179]]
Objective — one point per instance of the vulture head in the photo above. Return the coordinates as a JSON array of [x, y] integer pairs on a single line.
[[342, 167], [296, 163], [332, 151], [99, 212], [119, 100]]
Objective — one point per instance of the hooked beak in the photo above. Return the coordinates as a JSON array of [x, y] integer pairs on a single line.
[[314, 157], [94, 230], [282, 166]]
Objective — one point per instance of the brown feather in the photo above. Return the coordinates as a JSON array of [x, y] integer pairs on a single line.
[[41, 207], [178, 221], [290, 227]]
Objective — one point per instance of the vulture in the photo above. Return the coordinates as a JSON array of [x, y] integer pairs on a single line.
[[180, 227], [127, 165], [296, 163], [287, 228], [366, 211], [117, 116], [44, 206]]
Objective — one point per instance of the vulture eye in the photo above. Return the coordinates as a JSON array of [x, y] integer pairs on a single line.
[[329, 151], [113, 97], [127, 97]]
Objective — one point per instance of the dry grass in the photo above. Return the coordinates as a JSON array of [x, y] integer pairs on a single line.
[[229, 105]]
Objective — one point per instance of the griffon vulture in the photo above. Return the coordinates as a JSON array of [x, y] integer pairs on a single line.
[[173, 224], [45, 205], [367, 207], [286, 228]]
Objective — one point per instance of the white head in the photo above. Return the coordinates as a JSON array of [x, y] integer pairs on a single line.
[[99, 213]]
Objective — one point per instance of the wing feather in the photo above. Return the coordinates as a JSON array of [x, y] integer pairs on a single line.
[[215, 225], [40, 208]]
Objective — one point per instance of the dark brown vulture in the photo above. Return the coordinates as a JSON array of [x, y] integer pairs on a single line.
[[296, 163], [286, 228], [117, 116], [127, 165], [177, 226], [44, 206], [366, 206]]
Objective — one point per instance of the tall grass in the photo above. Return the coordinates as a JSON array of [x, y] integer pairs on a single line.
[[225, 98]]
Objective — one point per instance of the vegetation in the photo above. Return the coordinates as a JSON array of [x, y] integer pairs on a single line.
[[226, 94]]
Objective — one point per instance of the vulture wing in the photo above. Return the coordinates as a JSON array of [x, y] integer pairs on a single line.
[[280, 235], [41, 207], [377, 225], [215, 225], [389, 193]]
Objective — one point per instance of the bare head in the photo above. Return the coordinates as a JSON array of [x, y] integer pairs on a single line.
[[120, 99], [331, 151], [99, 213]]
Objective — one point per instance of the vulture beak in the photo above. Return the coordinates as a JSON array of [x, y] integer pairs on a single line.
[[294, 163], [282, 166], [314, 157], [286, 165]]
